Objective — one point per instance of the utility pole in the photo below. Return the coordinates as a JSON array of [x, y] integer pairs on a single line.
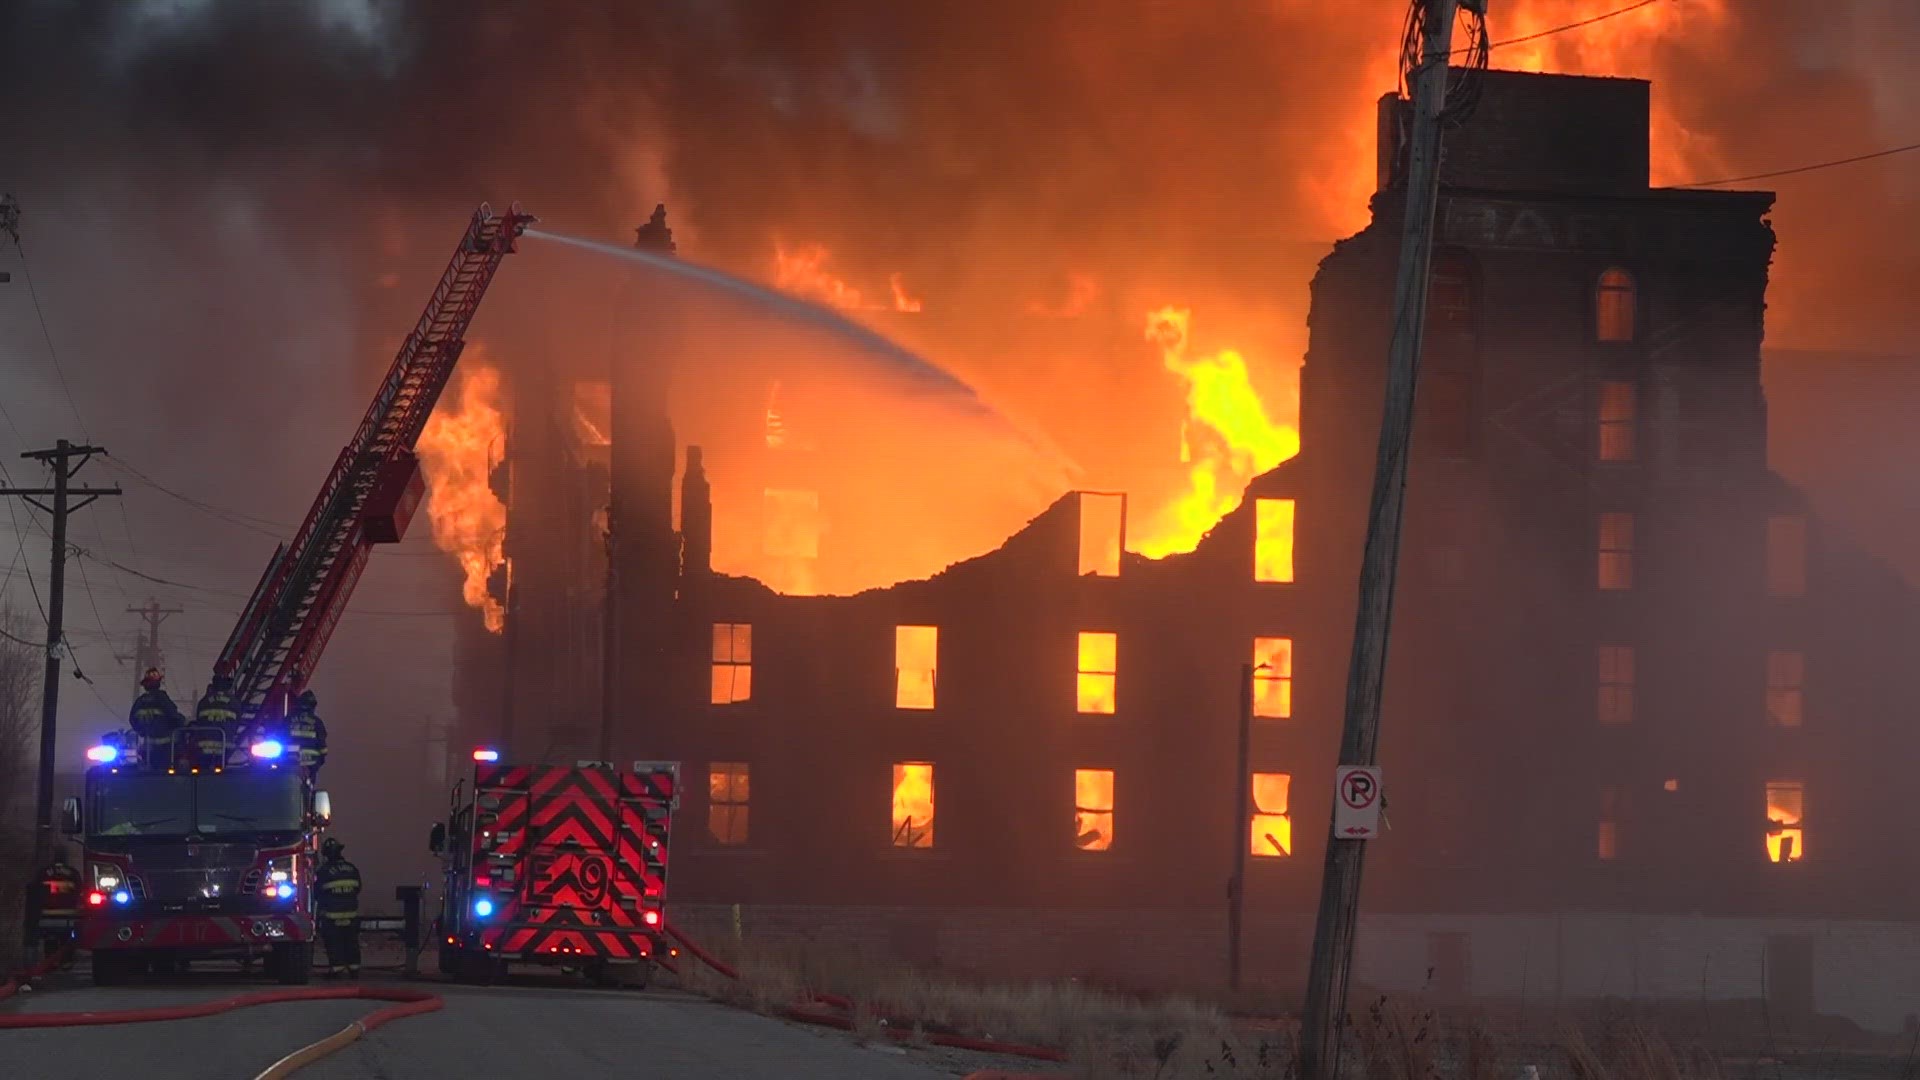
[[1242, 831], [61, 460], [149, 655], [1333, 936]]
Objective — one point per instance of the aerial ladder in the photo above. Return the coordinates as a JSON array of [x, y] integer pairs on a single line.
[[371, 494]]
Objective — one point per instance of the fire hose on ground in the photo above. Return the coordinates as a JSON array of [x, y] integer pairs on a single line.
[[407, 1003], [844, 1020]]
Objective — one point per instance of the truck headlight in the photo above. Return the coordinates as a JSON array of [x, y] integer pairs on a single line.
[[106, 877], [282, 874]]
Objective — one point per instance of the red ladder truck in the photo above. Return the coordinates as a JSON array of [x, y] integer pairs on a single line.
[[189, 858]]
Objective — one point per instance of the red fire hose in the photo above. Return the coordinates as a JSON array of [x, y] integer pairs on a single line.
[[412, 1002], [899, 1030], [16, 981]]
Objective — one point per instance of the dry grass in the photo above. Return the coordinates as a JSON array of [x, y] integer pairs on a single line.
[[1133, 1036], [1104, 1033]]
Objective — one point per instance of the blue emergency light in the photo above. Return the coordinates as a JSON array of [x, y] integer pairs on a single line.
[[104, 754], [122, 896], [483, 907], [284, 891], [484, 754], [268, 749]]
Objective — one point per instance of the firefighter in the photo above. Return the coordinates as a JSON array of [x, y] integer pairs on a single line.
[[215, 712], [58, 896], [202, 743], [339, 902], [307, 734], [155, 718]]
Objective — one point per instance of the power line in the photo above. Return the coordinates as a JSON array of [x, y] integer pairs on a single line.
[[1889, 152], [87, 587], [26, 269], [1604, 16]]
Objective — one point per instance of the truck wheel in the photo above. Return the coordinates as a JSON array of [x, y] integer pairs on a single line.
[[456, 964], [111, 967], [601, 973], [292, 964], [638, 976]]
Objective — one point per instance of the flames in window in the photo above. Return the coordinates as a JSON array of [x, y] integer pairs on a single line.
[[732, 663], [727, 801], [913, 805], [457, 450], [1099, 671], [1272, 826], [1093, 809], [1226, 441], [1273, 677], [1273, 540], [1102, 526], [1786, 807], [916, 651]]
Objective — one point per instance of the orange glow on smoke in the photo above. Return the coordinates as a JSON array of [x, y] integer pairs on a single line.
[[458, 449], [802, 271], [913, 805], [1227, 440]]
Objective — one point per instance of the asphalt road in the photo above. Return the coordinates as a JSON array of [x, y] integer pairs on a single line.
[[524, 1029]]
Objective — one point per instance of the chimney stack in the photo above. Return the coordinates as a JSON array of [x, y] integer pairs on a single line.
[[696, 518]]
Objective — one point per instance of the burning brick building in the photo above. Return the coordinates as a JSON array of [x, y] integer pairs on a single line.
[[1639, 707]]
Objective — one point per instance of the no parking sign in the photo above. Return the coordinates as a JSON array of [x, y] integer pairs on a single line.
[[1356, 802]]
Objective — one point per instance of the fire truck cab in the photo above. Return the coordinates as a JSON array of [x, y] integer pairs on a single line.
[[192, 861], [556, 865]]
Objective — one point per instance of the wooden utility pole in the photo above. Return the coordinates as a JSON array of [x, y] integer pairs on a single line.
[[1242, 829], [149, 654], [1340, 886], [61, 460]]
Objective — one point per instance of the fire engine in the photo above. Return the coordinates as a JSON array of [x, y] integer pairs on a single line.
[[190, 858], [555, 865]]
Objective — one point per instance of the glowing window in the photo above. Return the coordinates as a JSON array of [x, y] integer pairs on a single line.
[[727, 801], [915, 665], [1616, 550], [913, 804], [1787, 555], [1786, 687], [1613, 306], [1609, 833], [1618, 408], [1093, 809], [1102, 520], [732, 663], [1099, 671], [1273, 676], [1616, 684], [1272, 832], [1786, 807], [1273, 540]]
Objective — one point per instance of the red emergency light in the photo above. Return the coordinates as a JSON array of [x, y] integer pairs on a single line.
[[96, 898], [484, 754], [651, 918]]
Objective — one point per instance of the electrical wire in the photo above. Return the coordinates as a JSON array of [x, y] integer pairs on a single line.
[[1602, 17], [86, 586], [26, 270], [1889, 152]]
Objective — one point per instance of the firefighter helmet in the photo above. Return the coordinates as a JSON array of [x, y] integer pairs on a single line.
[[152, 679], [307, 700], [223, 682], [332, 848]]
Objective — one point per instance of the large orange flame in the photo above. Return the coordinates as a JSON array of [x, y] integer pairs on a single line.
[[458, 449], [1227, 440]]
